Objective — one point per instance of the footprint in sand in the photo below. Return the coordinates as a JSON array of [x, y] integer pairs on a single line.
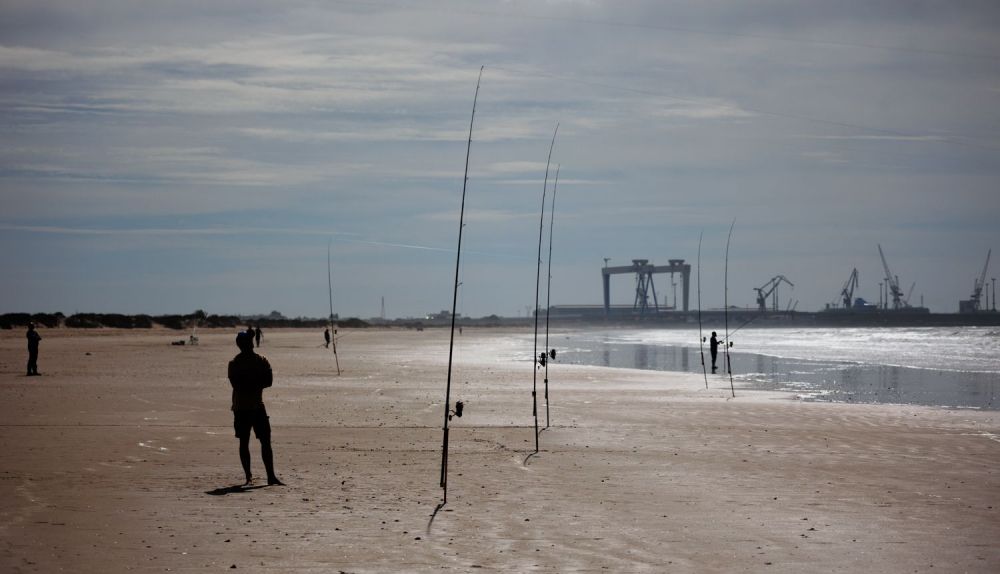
[[157, 449]]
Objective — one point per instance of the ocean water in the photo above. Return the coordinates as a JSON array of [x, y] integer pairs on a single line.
[[953, 367]]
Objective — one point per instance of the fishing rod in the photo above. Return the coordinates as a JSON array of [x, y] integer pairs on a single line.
[[745, 323], [729, 365], [701, 337], [549, 353], [448, 413], [538, 280], [329, 283]]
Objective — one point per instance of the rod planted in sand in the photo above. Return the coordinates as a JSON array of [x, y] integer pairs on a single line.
[[701, 338], [729, 365], [454, 304], [329, 283], [550, 354], [538, 281]]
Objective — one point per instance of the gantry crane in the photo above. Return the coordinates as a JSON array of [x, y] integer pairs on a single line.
[[766, 290], [893, 282]]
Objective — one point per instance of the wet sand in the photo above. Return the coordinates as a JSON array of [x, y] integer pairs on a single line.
[[822, 380], [121, 457]]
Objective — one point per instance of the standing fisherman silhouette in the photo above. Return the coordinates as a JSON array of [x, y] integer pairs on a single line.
[[326, 336], [33, 339], [713, 347], [249, 375], [257, 335]]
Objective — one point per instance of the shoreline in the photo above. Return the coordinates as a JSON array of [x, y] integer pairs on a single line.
[[121, 457], [853, 382]]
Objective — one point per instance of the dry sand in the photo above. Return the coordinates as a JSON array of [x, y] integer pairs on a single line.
[[120, 456]]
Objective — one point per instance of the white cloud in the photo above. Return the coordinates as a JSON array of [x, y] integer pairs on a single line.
[[705, 109], [124, 115], [825, 157]]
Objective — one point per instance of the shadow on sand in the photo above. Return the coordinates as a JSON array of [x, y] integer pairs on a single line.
[[236, 488]]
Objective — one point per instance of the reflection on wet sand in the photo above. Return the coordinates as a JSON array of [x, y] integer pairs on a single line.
[[812, 380]]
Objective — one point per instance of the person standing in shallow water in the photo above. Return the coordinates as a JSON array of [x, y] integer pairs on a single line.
[[33, 339], [249, 375], [713, 347]]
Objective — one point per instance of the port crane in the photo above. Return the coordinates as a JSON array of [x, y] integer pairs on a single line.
[[980, 282], [770, 289], [847, 291], [893, 282]]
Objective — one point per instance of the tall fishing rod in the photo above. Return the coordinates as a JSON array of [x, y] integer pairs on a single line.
[[549, 353], [745, 323], [538, 282], [729, 365], [329, 283], [701, 337], [448, 413]]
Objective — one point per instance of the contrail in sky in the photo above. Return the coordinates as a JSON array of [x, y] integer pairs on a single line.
[[347, 237]]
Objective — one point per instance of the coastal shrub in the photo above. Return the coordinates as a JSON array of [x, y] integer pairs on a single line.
[[82, 321], [11, 320], [49, 320], [177, 322], [222, 321], [112, 320], [171, 321]]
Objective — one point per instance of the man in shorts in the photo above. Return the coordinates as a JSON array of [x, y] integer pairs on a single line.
[[249, 375]]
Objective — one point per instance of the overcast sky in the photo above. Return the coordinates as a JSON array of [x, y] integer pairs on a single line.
[[162, 157]]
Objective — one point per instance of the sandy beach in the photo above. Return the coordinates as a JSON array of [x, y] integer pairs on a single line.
[[121, 457]]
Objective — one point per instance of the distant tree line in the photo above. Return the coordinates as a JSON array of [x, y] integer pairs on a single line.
[[180, 322], [50, 320]]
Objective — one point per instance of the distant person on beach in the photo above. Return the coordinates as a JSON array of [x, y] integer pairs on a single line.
[[251, 332], [713, 347], [257, 335], [249, 375], [33, 339], [326, 335]]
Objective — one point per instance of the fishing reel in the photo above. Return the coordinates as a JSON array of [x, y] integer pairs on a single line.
[[705, 340], [544, 357], [457, 411]]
